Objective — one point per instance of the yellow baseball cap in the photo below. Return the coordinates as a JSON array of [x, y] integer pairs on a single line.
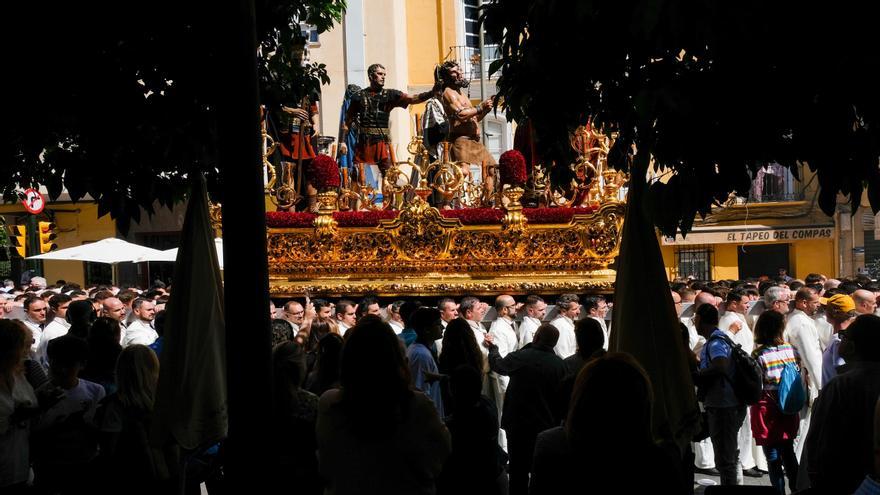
[[840, 303]]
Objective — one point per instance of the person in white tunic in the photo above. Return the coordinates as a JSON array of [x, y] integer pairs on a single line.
[[536, 311], [503, 332], [801, 332], [56, 328], [569, 309], [597, 309], [36, 310], [141, 330]]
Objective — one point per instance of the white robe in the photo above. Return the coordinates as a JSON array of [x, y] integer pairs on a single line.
[[139, 332], [567, 344], [503, 336], [605, 331], [527, 330], [57, 328], [801, 332]]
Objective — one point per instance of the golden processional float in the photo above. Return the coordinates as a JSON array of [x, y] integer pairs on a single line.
[[481, 241]]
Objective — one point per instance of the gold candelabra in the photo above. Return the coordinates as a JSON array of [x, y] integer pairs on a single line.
[[281, 190]]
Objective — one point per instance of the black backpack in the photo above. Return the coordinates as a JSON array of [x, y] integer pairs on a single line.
[[748, 377]]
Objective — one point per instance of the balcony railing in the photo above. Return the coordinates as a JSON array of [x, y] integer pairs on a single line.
[[468, 58], [774, 183]]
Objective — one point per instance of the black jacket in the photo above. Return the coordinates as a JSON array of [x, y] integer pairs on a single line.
[[536, 373]]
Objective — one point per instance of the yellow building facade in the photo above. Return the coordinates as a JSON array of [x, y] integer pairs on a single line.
[[777, 225]]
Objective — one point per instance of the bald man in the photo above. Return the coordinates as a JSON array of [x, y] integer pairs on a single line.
[[866, 302], [504, 336], [113, 308]]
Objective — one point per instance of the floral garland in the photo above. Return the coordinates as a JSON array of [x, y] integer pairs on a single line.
[[471, 216], [512, 168], [325, 173]]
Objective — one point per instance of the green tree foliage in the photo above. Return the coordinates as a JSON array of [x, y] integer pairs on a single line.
[[118, 100], [710, 90]]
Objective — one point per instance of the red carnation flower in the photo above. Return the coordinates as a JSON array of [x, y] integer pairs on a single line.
[[512, 167], [325, 173]]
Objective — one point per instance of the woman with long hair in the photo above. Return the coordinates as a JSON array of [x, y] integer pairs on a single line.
[[295, 414], [325, 374], [459, 348], [125, 424], [375, 435], [18, 402], [773, 430], [607, 434]]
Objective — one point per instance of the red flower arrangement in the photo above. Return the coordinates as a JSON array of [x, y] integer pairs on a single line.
[[289, 219], [512, 167], [471, 216], [325, 173], [363, 218], [475, 216]]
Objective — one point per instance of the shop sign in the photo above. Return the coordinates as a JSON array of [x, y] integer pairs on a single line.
[[758, 233]]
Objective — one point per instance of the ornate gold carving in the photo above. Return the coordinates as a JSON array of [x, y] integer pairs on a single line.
[[420, 232], [325, 225], [527, 284], [514, 220], [215, 212], [421, 252]]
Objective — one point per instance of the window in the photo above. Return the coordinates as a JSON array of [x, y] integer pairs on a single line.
[[694, 262], [472, 41], [310, 33], [774, 183]]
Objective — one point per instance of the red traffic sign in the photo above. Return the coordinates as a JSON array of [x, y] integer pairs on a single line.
[[33, 201]]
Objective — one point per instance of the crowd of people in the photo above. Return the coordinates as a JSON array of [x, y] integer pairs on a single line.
[[457, 396], [825, 333], [78, 371]]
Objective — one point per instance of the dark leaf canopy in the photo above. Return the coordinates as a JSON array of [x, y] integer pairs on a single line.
[[118, 100], [712, 90]]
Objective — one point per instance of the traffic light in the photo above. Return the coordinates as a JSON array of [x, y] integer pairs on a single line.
[[18, 240], [47, 235]]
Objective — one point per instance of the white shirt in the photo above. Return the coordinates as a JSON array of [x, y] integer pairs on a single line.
[[438, 344], [342, 327], [294, 325], [480, 334], [527, 330], [36, 331], [567, 344], [825, 330], [604, 331], [801, 332], [139, 332], [396, 326], [695, 340], [57, 328], [504, 336], [744, 337]]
